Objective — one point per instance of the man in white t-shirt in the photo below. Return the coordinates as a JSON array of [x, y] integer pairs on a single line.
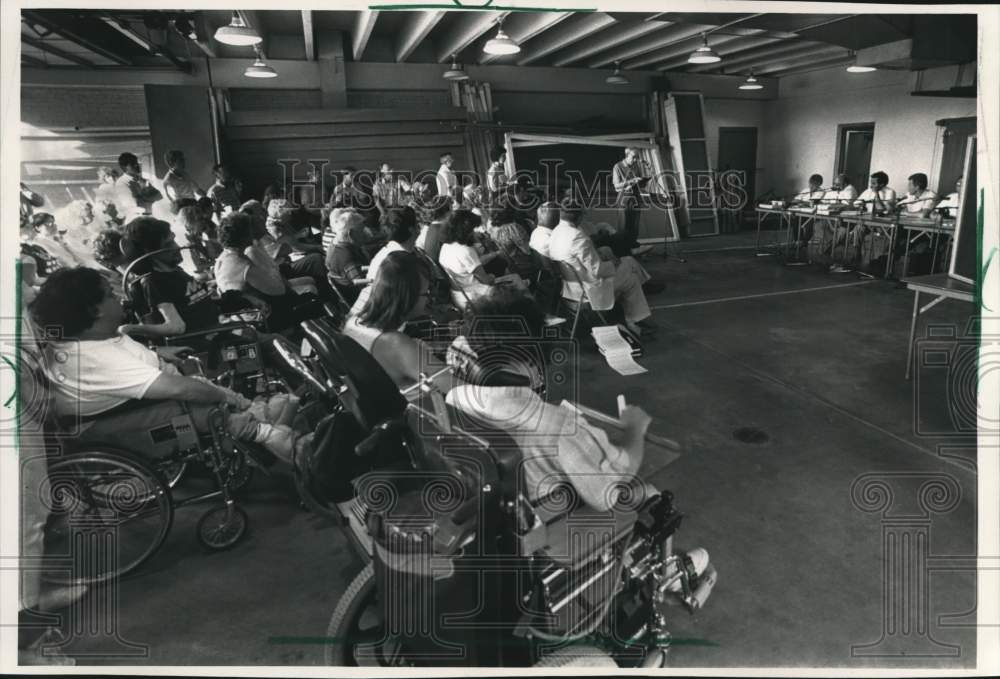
[[878, 199], [950, 203], [114, 389], [919, 201], [403, 232]]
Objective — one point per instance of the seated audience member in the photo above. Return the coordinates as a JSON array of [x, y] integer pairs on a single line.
[[168, 300], [390, 190], [245, 272], [557, 445], [45, 263], [133, 189], [346, 193], [461, 261], [28, 200], [919, 201], [202, 238], [78, 222], [49, 237], [115, 389], [345, 260], [177, 184], [605, 282], [402, 225], [106, 192], [108, 253], [548, 218], [433, 220], [399, 293], [949, 206], [224, 193], [509, 237], [878, 198], [295, 257]]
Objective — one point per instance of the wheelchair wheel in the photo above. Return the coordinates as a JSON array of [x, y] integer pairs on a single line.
[[109, 512], [357, 634], [222, 527], [577, 656]]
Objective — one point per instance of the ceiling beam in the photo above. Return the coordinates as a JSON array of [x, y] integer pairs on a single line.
[[609, 39], [685, 43], [155, 50], [751, 56], [813, 66], [414, 33], [828, 53], [524, 26], [469, 27], [565, 34], [55, 51], [204, 32], [41, 19], [28, 60], [308, 35], [364, 23], [722, 48]]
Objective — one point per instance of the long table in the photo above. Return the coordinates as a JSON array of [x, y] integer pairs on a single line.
[[784, 220], [943, 287]]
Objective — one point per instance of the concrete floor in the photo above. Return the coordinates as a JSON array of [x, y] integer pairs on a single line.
[[814, 360]]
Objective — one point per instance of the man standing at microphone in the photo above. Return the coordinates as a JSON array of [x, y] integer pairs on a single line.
[[627, 178]]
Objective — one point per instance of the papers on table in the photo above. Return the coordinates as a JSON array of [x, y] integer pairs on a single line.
[[617, 352]]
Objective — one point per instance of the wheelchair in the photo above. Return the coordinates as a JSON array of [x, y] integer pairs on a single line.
[[461, 568], [112, 507]]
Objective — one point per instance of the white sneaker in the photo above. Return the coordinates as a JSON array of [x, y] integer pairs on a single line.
[[552, 321], [699, 559]]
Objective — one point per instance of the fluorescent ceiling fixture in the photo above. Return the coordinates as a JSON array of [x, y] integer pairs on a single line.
[[704, 54], [501, 44], [237, 33], [855, 68], [259, 69], [751, 83], [617, 78], [455, 72]]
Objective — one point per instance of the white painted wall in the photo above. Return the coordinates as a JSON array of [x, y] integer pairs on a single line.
[[801, 124]]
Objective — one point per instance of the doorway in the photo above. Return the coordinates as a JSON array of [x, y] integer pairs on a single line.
[[854, 152], [954, 139], [738, 154]]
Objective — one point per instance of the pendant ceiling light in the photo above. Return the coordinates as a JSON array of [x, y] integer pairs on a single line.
[[501, 43], [259, 69], [751, 83], [455, 73], [617, 78], [238, 33], [704, 54]]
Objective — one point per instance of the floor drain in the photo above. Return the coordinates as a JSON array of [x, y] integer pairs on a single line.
[[751, 435]]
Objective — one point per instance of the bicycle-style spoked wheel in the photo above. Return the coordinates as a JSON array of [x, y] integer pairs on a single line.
[[109, 512]]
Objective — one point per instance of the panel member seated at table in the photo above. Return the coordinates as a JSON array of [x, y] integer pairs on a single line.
[[810, 196], [878, 198], [949, 206], [842, 191], [919, 200]]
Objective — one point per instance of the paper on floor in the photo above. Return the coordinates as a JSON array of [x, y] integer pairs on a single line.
[[617, 352]]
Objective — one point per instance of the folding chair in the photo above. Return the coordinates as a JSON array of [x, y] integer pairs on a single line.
[[569, 274]]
